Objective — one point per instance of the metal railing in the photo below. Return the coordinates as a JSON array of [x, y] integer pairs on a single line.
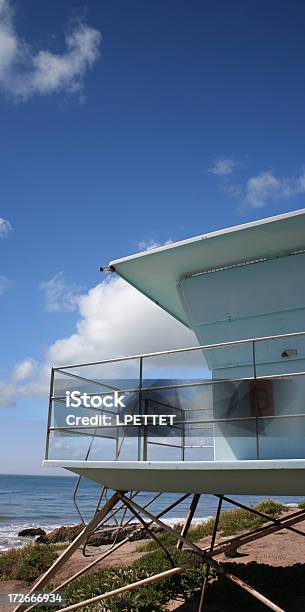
[[218, 424]]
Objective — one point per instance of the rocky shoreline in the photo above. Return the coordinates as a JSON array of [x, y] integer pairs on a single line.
[[105, 535]]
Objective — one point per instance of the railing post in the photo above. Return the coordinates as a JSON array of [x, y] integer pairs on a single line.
[[117, 437], [145, 434], [183, 440], [140, 406], [255, 400], [49, 415]]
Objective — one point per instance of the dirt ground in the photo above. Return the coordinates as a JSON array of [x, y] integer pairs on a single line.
[[281, 549]]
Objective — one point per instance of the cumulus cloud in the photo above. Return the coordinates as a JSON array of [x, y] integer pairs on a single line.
[[60, 295], [24, 369], [117, 320], [24, 73], [223, 166], [114, 320], [266, 187], [5, 226]]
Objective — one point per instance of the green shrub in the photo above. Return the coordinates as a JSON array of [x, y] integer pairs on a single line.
[[26, 563], [36, 560], [9, 560], [278, 583], [149, 598], [238, 519], [271, 507]]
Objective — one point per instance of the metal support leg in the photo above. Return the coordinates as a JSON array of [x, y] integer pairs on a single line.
[[189, 518], [154, 519], [207, 558], [119, 544], [45, 578], [207, 568], [206, 555], [150, 533]]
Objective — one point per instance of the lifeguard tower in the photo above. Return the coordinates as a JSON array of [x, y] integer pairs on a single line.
[[239, 392], [242, 291]]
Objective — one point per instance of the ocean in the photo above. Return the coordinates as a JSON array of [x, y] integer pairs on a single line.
[[46, 501]]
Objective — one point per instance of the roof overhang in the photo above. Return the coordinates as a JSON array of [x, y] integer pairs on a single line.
[[157, 272]]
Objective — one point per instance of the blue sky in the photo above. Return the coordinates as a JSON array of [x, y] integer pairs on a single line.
[[127, 124]]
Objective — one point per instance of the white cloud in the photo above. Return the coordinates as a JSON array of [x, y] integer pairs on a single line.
[[5, 226], [117, 320], [114, 320], [24, 369], [7, 394], [147, 245], [257, 191], [60, 295], [24, 73], [5, 284], [223, 166], [267, 187]]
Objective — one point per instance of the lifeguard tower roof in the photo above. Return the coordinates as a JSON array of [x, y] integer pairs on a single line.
[[157, 272]]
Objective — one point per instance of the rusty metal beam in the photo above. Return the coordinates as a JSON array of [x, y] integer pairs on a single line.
[[67, 553], [207, 569], [118, 545], [206, 557], [189, 518]]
